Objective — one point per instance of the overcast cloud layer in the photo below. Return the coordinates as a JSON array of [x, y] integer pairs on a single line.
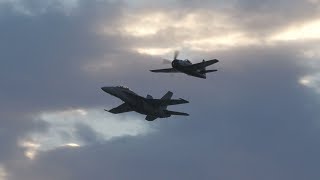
[[256, 118]]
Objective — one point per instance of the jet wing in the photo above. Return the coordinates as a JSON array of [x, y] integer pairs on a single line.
[[120, 109], [151, 118], [203, 64], [169, 70]]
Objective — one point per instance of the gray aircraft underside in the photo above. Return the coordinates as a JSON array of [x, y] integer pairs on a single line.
[[185, 66], [153, 108]]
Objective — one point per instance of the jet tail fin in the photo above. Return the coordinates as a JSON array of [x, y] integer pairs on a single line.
[[176, 113], [167, 96]]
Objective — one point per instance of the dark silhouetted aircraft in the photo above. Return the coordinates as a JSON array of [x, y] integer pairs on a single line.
[[153, 108], [185, 66]]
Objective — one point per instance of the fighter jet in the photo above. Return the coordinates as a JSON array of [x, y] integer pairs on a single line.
[[153, 108], [185, 66]]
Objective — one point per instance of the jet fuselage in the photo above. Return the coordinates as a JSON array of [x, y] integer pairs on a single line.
[[137, 103]]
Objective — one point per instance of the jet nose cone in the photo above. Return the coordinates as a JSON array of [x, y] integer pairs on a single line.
[[107, 89]]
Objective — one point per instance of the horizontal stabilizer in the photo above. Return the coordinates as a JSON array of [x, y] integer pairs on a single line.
[[213, 61], [166, 102], [176, 113], [120, 109], [169, 70], [174, 102], [209, 71]]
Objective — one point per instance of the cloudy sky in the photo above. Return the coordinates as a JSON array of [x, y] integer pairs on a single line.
[[256, 118]]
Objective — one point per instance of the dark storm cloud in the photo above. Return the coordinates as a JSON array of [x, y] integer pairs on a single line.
[[257, 124], [250, 120], [41, 60], [43, 55], [42, 68]]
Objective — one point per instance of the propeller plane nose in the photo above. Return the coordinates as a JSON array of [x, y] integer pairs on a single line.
[[174, 63]]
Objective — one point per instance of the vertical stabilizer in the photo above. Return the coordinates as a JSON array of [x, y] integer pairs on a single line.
[[167, 96]]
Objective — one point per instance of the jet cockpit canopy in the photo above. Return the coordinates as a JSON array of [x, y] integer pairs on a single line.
[[124, 87]]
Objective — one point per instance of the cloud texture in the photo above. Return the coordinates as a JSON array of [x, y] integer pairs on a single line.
[[256, 118]]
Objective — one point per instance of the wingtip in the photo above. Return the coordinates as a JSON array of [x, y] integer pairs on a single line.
[[185, 114], [185, 101], [109, 111]]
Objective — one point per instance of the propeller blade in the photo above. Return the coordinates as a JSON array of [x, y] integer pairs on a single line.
[[176, 54], [166, 61]]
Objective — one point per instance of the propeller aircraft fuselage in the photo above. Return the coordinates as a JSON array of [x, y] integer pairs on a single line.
[[186, 67]]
